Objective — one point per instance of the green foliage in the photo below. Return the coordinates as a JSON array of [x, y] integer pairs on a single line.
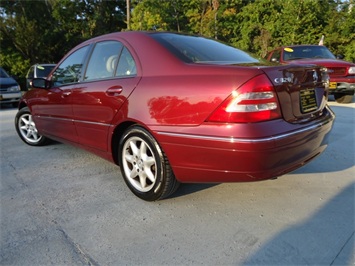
[[14, 63], [255, 25], [340, 30], [43, 31]]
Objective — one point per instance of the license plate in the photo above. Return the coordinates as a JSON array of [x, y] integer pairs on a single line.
[[332, 85], [308, 101]]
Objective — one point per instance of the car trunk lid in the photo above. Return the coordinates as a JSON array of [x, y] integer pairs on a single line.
[[302, 90]]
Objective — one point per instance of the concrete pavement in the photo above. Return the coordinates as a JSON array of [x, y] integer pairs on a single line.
[[60, 205]]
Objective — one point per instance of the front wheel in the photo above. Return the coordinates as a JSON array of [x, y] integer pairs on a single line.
[[144, 166], [26, 128]]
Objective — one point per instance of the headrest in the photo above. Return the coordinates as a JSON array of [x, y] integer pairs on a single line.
[[111, 63]]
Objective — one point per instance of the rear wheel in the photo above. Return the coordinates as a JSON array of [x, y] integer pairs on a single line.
[[26, 128], [343, 98], [144, 166]]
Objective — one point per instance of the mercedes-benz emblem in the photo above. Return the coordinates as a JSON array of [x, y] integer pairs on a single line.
[[315, 76]]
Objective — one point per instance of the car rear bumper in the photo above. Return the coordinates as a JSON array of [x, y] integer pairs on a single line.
[[220, 158]]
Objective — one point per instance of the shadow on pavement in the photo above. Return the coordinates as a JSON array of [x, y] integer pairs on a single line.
[[326, 238], [190, 188], [7, 107]]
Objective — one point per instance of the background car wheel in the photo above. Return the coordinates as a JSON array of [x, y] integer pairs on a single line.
[[26, 128], [144, 166], [343, 98]]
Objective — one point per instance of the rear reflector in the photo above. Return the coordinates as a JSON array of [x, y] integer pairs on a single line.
[[254, 101]]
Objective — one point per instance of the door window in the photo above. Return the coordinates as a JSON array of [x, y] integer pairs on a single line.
[[103, 60], [70, 69], [126, 65], [276, 56], [30, 74]]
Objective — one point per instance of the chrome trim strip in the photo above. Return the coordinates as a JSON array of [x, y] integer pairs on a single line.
[[243, 140], [92, 123], [73, 120], [54, 118]]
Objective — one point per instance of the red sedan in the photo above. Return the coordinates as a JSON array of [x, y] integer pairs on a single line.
[[171, 108]]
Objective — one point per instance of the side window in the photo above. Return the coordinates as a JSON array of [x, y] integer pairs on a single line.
[[126, 64], [30, 74], [103, 60], [70, 69], [276, 56]]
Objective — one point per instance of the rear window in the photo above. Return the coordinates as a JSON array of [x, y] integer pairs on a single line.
[[195, 49]]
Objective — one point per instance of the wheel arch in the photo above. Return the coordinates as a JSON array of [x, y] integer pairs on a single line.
[[118, 134], [21, 105]]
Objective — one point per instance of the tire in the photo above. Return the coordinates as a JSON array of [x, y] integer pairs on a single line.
[[144, 166], [26, 128], [343, 98]]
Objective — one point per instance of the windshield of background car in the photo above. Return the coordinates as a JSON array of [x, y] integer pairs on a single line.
[[194, 49], [43, 71], [293, 53], [3, 74]]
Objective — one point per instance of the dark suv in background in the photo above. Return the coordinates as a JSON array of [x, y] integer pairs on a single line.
[[341, 73], [10, 91]]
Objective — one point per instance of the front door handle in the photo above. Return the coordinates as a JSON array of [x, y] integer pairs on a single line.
[[114, 91], [66, 94]]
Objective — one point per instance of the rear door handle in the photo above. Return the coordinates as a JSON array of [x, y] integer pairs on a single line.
[[114, 91], [66, 94]]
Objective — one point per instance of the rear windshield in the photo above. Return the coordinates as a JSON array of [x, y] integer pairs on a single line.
[[195, 49]]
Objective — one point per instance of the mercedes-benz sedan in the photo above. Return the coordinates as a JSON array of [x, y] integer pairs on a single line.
[[171, 108]]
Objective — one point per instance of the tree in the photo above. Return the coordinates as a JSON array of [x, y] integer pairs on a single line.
[[340, 30], [29, 38], [23, 34], [159, 15], [254, 25]]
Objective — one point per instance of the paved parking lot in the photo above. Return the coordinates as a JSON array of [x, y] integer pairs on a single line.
[[64, 206]]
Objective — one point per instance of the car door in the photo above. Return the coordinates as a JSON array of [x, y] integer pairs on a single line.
[[53, 110], [109, 79]]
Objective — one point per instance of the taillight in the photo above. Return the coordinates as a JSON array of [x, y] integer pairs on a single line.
[[254, 101]]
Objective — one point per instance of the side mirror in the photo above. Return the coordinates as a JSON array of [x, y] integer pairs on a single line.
[[40, 83], [274, 60], [340, 56]]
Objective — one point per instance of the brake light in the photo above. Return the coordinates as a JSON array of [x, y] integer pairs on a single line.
[[254, 101]]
